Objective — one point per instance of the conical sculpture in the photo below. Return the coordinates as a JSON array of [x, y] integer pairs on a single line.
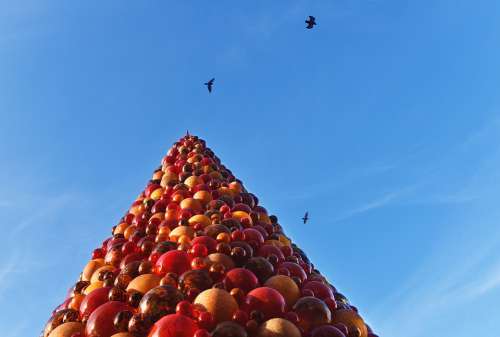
[[197, 256]]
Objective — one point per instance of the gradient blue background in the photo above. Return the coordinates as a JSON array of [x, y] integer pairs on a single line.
[[383, 122]]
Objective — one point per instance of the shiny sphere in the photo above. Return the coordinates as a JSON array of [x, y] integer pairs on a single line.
[[223, 259], [286, 287], [174, 325], [195, 279], [229, 329], [101, 321], [93, 300], [218, 302], [261, 267], [67, 329], [174, 261], [312, 312], [320, 290], [240, 278], [278, 327], [144, 283], [160, 301], [266, 300], [351, 319]]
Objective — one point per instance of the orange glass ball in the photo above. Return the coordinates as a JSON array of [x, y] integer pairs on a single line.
[[286, 287], [193, 181], [168, 178], [144, 283], [201, 219], [203, 196], [351, 319], [99, 271], [179, 231], [67, 329], [192, 204], [278, 327], [218, 302], [90, 268], [93, 286], [120, 229]]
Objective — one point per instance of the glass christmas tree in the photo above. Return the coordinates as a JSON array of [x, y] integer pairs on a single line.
[[196, 255]]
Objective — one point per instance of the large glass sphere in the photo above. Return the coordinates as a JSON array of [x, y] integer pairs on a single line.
[[174, 325], [160, 301], [312, 312]]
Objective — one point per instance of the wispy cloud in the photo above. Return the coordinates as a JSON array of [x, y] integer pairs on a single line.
[[48, 207], [15, 259], [386, 199], [463, 266], [438, 286]]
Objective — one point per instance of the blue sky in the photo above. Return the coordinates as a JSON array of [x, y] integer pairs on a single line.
[[383, 122]]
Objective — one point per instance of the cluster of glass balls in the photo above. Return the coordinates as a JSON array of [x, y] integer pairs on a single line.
[[197, 256]]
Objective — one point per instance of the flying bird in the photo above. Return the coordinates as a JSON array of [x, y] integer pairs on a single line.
[[311, 22], [210, 84], [306, 217]]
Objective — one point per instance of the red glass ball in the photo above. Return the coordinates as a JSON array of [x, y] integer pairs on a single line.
[[295, 270], [175, 261], [174, 325], [184, 308], [93, 300], [267, 250], [240, 278], [252, 234], [101, 321], [205, 320], [266, 300], [199, 250]]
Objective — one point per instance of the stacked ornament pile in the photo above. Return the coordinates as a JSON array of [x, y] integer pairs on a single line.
[[197, 256]]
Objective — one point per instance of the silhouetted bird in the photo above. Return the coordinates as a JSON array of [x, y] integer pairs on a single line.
[[311, 22], [306, 217], [210, 84]]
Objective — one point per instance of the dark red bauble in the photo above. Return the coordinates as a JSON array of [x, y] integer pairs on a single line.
[[93, 300], [160, 301], [312, 312], [229, 329], [174, 261], [266, 300], [266, 250], [101, 321], [320, 290], [240, 278], [295, 270], [174, 325], [210, 243]]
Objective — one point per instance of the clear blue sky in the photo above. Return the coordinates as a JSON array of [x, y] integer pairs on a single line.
[[383, 122]]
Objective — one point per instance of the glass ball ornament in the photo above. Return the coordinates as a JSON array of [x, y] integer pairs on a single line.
[[266, 300], [312, 312], [229, 329], [174, 325], [160, 301], [101, 321]]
